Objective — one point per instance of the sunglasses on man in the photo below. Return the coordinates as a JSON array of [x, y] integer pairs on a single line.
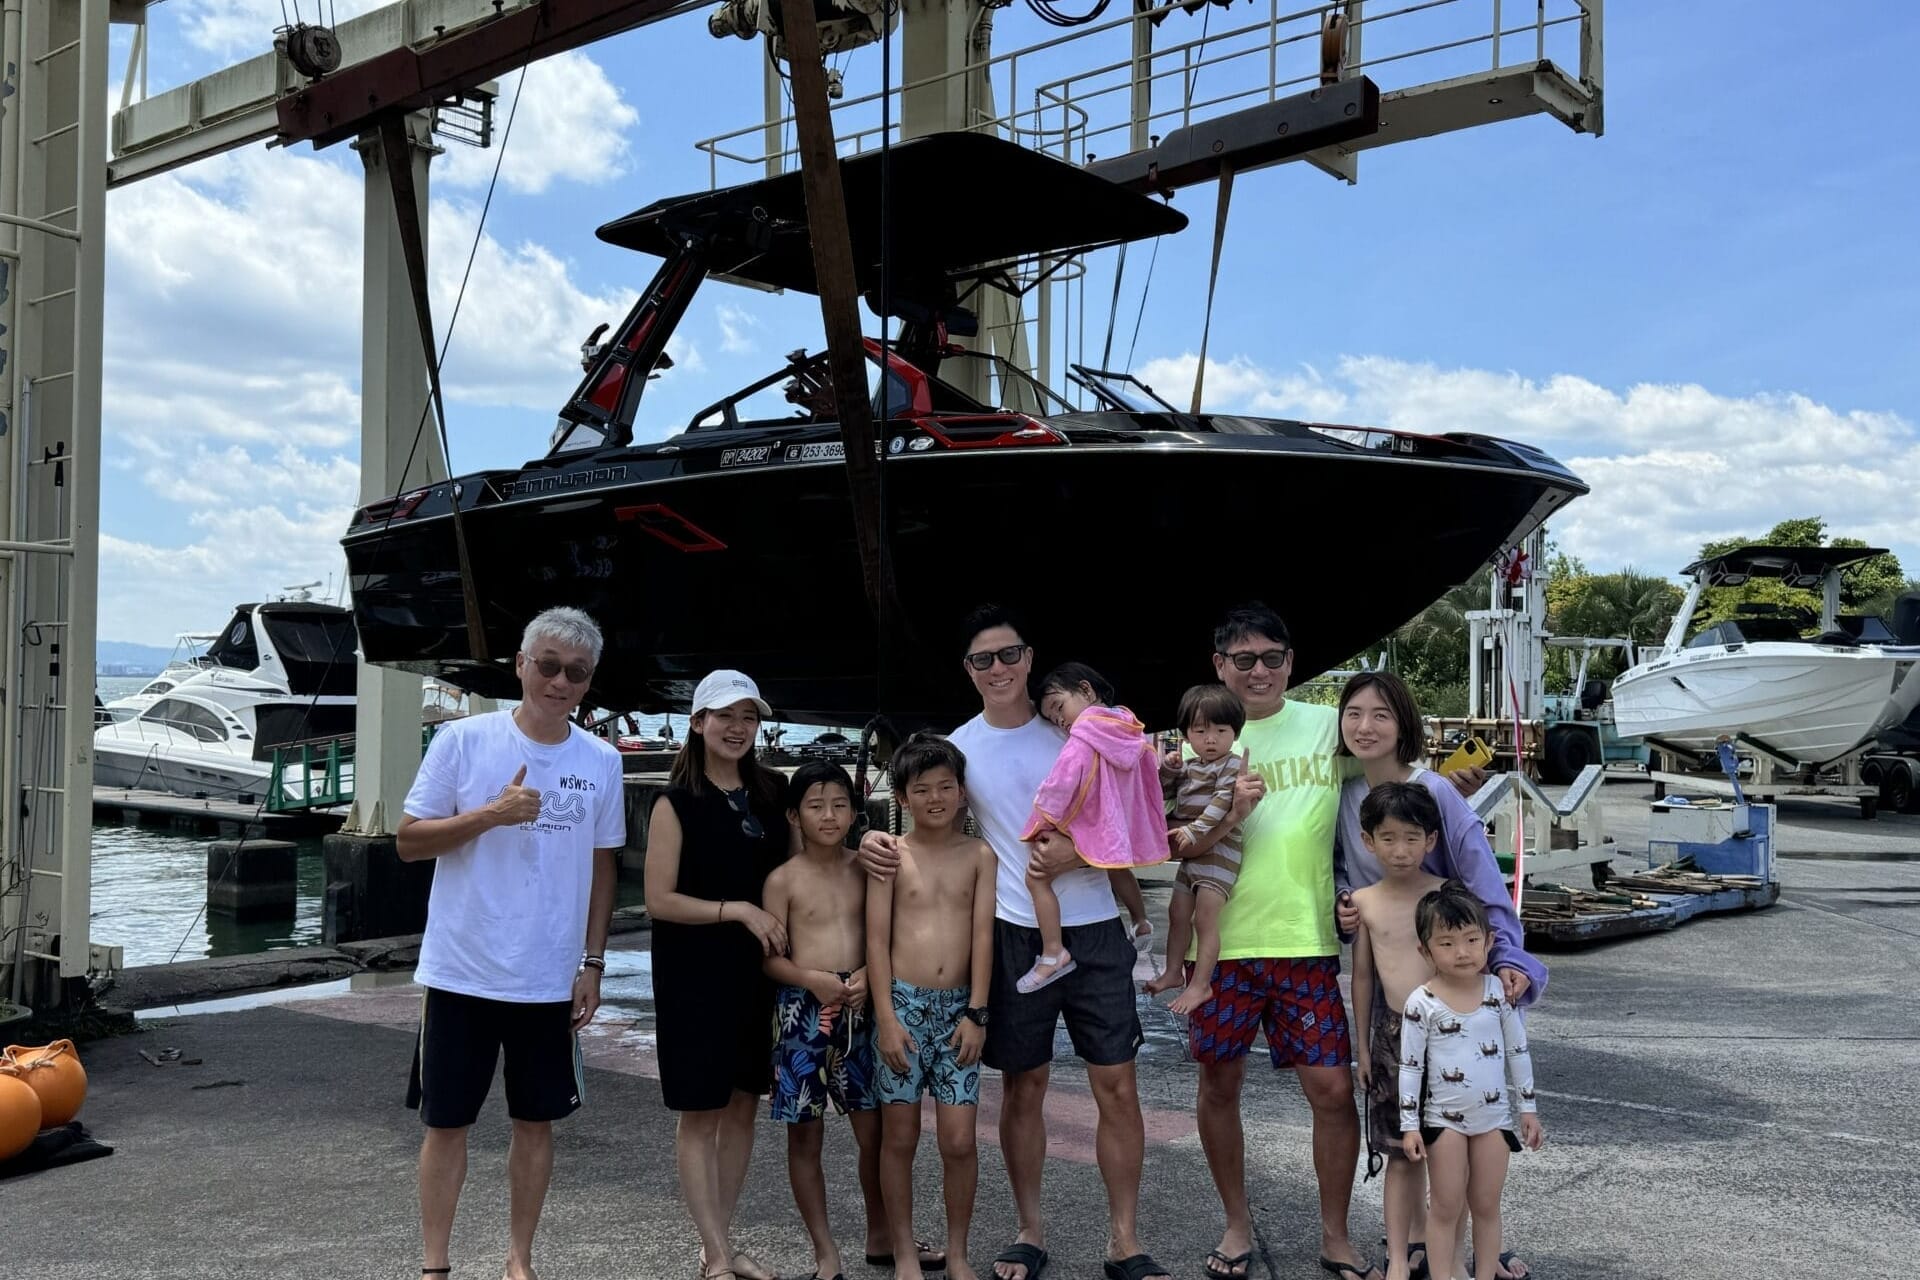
[[1270, 659], [983, 660], [577, 672]]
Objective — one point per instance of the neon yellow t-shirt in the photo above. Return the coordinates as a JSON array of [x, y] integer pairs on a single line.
[[1282, 904]]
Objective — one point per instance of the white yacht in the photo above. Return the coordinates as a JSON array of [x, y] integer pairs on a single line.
[[187, 660], [279, 672], [1810, 701]]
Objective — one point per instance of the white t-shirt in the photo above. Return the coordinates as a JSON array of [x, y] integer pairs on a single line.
[[1005, 768], [507, 919]]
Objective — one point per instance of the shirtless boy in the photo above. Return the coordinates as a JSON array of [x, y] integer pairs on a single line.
[[930, 946], [1400, 823], [825, 1049]]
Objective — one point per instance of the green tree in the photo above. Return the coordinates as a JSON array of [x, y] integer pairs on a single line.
[[1867, 587], [1629, 605]]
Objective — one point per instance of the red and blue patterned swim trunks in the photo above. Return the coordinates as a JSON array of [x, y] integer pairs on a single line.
[[1296, 1002]]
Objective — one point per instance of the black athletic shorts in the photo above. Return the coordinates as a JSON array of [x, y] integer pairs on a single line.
[[1096, 998], [460, 1042]]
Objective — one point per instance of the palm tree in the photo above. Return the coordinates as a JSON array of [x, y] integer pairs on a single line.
[[1634, 605]]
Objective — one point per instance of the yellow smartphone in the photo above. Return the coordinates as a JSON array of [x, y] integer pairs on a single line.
[[1471, 754]]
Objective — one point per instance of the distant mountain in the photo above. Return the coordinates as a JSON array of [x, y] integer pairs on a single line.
[[124, 653]]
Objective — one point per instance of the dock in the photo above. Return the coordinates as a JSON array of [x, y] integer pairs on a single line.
[[137, 808]]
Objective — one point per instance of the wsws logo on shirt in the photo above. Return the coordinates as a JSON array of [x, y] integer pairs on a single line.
[[558, 811]]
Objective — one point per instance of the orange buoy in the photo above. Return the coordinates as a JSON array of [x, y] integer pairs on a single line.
[[54, 1072], [19, 1113]]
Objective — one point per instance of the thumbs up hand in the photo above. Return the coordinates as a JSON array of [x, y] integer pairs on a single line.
[[516, 803]]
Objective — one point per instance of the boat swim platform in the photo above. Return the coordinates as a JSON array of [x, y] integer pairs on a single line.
[[139, 808]]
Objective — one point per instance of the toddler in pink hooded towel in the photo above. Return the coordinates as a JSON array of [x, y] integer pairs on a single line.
[[1103, 793]]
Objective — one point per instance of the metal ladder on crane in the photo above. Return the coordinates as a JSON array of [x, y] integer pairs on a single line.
[[52, 214]]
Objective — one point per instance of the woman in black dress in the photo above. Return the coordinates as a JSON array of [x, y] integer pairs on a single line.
[[714, 837]]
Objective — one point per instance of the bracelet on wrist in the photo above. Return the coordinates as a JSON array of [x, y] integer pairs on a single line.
[[594, 962], [720, 913]]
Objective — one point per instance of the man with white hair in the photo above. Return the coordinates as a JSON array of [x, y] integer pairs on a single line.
[[523, 814]]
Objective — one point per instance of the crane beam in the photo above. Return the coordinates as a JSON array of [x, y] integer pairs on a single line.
[[356, 98]]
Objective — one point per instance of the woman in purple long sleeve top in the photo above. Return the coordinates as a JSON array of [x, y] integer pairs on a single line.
[[1380, 726]]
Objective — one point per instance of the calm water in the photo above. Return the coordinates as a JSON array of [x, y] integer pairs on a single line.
[[150, 885]]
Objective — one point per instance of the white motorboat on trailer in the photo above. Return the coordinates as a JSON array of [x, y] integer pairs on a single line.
[[1811, 701]]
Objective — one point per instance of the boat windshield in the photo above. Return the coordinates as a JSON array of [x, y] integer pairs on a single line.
[[1120, 391], [1011, 387], [802, 392]]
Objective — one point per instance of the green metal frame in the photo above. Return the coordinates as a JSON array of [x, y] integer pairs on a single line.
[[308, 775]]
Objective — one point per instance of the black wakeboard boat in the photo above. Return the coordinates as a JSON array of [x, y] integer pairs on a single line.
[[1121, 531]]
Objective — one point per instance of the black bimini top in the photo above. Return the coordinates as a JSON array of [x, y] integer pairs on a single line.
[[1802, 567], [960, 202]]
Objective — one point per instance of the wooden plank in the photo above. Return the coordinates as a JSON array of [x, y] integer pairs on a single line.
[[839, 302], [1671, 911]]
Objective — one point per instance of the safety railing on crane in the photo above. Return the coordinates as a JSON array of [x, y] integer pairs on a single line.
[[1104, 89]]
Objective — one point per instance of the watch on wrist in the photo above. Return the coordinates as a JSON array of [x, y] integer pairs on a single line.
[[976, 1016]]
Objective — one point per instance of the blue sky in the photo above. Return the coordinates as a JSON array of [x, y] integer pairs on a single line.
[[1711, 312]]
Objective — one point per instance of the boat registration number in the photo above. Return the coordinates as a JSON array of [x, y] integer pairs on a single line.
[[745, 457], [824, 451]]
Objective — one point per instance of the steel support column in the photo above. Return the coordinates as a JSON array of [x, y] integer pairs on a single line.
[[394, 424], [52, 159]]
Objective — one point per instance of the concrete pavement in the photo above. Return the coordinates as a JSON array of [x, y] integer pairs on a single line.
[[1723, 1101]]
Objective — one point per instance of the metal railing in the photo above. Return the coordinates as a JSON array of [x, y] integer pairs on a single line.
[[317, 773], [1077, 112]]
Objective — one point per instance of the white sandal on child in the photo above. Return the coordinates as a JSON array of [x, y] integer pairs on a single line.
[[1045, 970]]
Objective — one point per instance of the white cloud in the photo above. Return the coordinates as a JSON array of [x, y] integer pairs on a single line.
[[1670, 466], [243, 28], [571, 124], [734, 324], [233, 362], [153, 589]]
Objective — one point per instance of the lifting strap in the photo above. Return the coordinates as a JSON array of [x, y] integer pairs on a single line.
[[396, 152], [1213, 278]]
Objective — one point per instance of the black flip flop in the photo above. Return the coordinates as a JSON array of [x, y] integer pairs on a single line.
[[1022, 1254], [1344, 1269], [1138, 1267], [1225, 1271]]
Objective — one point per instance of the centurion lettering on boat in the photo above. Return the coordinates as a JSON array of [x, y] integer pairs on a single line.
[[567, 480]]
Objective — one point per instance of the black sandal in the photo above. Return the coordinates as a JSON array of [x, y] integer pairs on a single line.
[[1138, 1267], [1234, 1268], [435, 1271], [1022, 1254]]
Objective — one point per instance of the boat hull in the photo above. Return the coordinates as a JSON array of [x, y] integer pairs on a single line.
[[177, 769], [1122, 555], [1811, 703]]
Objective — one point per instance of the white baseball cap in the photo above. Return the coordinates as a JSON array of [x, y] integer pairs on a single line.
[[724, 688]]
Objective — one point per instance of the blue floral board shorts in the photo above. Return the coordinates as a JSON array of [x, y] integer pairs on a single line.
[[930, 1018], [821, 1055]]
